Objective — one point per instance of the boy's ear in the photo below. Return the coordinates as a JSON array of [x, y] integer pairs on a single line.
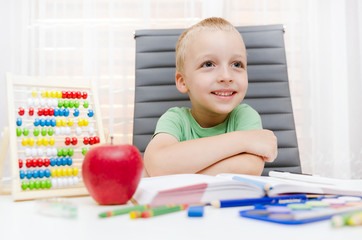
[[180, 83]]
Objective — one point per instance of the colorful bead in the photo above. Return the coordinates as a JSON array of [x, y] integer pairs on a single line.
[[90, 113], [28, 163], [76, 112], [39, 141], [24, 185], [74, 141], [53, 122], [51, 141], [22, 174], [31, 185], [42, 184], [59, 172], [40, 162], [59, 94], [18, 132], [50, 131], [36, 184], [84, 95], [60, 103], [31, 142], [26, 131], [20, 163], [78, 131], [21, 111], [46, 162], [35, 174], [41, 173], [42, 122], [66, 104], [67, 141], [78, 95], [25, 141], [69, 161], [71, 103], [85, 104], [71, 152], [65, 152], [69, 172], [36, 132], [86, 141], [96, 139], [48, 183], [43, 132], [60, 152], [70, 122], [75, 171], [19, 121], [47, 173], [84, 151], [66, 112], [53, 172], [29, 174], [91, 140], [76, 104], [36, 122], [31, 111], [40, 112], [34, 93]]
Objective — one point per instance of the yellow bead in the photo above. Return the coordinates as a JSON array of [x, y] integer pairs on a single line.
[[64, 122], [86, 122], [59, 123], [69, 172], [53, 172], [47, 94], [70, 122], [31, 141], [45, 141], [34, 93], [43, 94], [25, 142], [59, 94], [59, 172], [51, 141], [53, 94], [80, 122], [75, 171], [64, 172], [39, 141]]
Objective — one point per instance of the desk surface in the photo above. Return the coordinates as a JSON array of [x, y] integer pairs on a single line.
[[20, 220]]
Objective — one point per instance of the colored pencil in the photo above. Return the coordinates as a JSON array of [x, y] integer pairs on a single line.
[[123, 211], [152, 212]]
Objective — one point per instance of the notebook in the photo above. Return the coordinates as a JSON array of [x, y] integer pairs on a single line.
[[198, 188]]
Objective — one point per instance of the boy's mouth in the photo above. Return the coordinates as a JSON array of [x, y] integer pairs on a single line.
[[224, 93]]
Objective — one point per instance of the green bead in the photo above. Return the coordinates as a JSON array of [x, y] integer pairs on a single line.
[[24, 185], [66, 103], [85, 104], [65, 152], [70, 152], [60, 103], [71, 103], [26, 131], [50, 131], [18, 132], [76, 104], [37, 184], [42, 184], [48, 183], [36, 132], [43, 132], [84, 151], [31, 185], [60, 152]]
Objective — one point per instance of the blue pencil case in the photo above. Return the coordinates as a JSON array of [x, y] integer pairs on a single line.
[[304, 212]]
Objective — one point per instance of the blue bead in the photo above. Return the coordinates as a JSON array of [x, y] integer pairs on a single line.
[[90, 113], [19, 121], [42, 122], [66, 112], [59, 161], [22, 174], [41, 173], [56, 112], [76, 112], [52, 162], [36, 122], [29, 174], [47, 122], [61, 111], [35, 174], [64, 161], [47, 173], [70, 161], [53, 122]]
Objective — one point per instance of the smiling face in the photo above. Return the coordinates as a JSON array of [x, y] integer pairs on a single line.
[[214, 75]]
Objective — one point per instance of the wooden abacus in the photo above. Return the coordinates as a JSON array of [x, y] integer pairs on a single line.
[[53, 122]]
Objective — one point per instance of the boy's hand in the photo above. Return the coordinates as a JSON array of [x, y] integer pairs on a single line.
[[263, 143]]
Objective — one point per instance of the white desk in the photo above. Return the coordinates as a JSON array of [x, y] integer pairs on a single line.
[[20, 220]]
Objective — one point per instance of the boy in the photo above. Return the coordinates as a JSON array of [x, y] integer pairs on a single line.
[[217, 135]]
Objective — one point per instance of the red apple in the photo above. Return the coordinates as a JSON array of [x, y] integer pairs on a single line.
[[111, 173]]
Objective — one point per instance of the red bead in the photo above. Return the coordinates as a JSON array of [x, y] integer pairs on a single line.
[[40, 162], [34, 162], [69, 94], [21, 111], [74, 141], [51, 112], [64, 94], [86, 140], [96, 139], [79, 95], [31, 111], [74, 94], [46, 111], [91, 140], [20, 163], [67, 140], [46, 162], [28, 163], [84, 95], [40, 111]]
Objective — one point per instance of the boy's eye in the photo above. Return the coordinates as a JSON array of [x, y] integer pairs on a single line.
[[207, 64], [237, 64]]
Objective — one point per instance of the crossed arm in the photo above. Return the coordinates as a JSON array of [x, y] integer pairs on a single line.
[[236, 152]]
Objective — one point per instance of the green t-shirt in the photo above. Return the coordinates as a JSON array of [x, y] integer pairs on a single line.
[[180, 123]]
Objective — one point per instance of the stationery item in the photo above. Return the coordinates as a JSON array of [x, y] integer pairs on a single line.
[[253, 201], [198, 188], [304, 212], [123, 211], [195, 211], [152, 212], [355, 219]]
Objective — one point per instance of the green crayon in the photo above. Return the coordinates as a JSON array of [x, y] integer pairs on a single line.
[[123, 211], [162, 210]]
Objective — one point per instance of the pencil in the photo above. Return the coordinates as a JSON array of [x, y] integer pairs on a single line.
[[253, 201], [264, 186], [152, 212], [123, 211]]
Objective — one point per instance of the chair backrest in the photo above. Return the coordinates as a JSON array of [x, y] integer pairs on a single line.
[[268, 91]]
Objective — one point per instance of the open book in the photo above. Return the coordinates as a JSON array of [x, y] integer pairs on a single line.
[[197, 188]]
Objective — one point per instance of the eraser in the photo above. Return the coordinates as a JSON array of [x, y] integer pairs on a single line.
[[195, 211]]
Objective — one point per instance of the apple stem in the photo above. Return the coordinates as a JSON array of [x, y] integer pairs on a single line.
[[111, 140]]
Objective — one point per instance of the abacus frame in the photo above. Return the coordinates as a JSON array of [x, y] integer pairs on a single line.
[[46, 82]]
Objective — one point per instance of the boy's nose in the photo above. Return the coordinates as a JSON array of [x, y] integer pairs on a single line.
[[224, 75]]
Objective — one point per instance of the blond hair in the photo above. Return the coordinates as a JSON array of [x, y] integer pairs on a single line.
[[213, 24]]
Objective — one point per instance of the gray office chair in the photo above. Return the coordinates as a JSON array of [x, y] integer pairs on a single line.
[[268, 91]]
